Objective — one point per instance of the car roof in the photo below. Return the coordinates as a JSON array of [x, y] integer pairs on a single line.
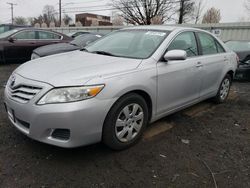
[[33, 28], [238, 41], [36, 29], [162, 27]]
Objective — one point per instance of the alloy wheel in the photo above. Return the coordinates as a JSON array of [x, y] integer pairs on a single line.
[[225, 87], [129, 122]]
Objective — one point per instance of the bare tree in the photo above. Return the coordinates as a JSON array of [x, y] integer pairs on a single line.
[[212, 16], [49, 14], [117, 19], [199, 7], [141, 12], [157, 20], [20, 20], [247, 5], [36, 20], [243, 19], [185, 10], [67, 19]]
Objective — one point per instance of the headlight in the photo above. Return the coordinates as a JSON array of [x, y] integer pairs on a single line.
[[34, 56], [70, 94]]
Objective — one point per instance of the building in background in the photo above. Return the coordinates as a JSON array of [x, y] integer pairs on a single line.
[[87, 19]]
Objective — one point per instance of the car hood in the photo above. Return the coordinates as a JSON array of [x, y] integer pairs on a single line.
[[75, 68], [55, 49]]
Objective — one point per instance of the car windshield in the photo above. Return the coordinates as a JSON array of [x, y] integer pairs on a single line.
[[239, 45], [8, 33], [138, 44]]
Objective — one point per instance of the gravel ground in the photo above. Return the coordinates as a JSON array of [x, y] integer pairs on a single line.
[[208, 145]]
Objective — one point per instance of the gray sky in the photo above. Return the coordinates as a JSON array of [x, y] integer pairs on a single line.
[[231, 10]]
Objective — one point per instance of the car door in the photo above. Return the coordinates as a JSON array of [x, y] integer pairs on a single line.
[[179, 82], [19, 49], [47, 37], [213, 59]]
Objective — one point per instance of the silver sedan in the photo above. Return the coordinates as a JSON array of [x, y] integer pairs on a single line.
[[111, 90]]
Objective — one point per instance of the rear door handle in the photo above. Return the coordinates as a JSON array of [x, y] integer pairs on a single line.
[[199, 64]]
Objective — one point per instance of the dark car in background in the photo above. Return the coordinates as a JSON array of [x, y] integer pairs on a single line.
[[242, 48], [78, 43], [8, 27], [16, 46]]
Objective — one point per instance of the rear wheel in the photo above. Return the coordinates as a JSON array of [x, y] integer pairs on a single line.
[[224, 89], [125, 122]]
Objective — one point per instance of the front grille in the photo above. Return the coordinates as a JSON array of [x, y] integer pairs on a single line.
[[61, 134], [23, 93]]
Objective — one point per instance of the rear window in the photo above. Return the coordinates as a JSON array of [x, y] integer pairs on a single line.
[[220, 48], [47, 35], [209, 45]]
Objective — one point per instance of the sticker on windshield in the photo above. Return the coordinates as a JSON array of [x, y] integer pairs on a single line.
[[155, 33]]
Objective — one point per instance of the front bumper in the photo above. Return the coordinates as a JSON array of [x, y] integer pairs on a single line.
[[83, 120]]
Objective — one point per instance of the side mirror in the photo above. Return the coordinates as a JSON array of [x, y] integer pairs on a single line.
[[177, 55], [11, 39]]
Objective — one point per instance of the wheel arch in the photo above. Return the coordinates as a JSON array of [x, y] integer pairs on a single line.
[[147, 99], [145, 95], [231, 73]]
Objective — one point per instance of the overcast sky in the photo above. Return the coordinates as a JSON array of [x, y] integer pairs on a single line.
[[231, 10]]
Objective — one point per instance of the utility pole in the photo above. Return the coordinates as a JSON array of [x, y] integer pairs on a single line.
[[60, 13], [12, 11]]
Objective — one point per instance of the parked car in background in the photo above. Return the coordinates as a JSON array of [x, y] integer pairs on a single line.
[[17, 45], [78, 43], [77, 33], [8, 27], [242, 48], [110, 91]]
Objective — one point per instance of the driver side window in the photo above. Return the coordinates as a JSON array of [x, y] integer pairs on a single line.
[[25, 35], [185, 41]]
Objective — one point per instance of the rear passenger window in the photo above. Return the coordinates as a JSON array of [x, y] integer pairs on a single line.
[[220, 48], [187, 42], [208, 45], [47, 35]]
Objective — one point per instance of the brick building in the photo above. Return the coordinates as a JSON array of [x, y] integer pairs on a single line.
[[88, 19]]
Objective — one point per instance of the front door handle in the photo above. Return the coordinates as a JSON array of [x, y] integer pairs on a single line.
[[199, 64]]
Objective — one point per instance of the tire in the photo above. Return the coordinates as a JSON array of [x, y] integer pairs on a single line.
[[223, 90], [125, 122]]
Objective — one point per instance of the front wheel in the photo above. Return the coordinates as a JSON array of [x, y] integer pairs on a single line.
[[224, 89], [125, 122]]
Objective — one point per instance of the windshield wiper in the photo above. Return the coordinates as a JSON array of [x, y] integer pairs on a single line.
[[103, 53], [84, 49], [73, 44]]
